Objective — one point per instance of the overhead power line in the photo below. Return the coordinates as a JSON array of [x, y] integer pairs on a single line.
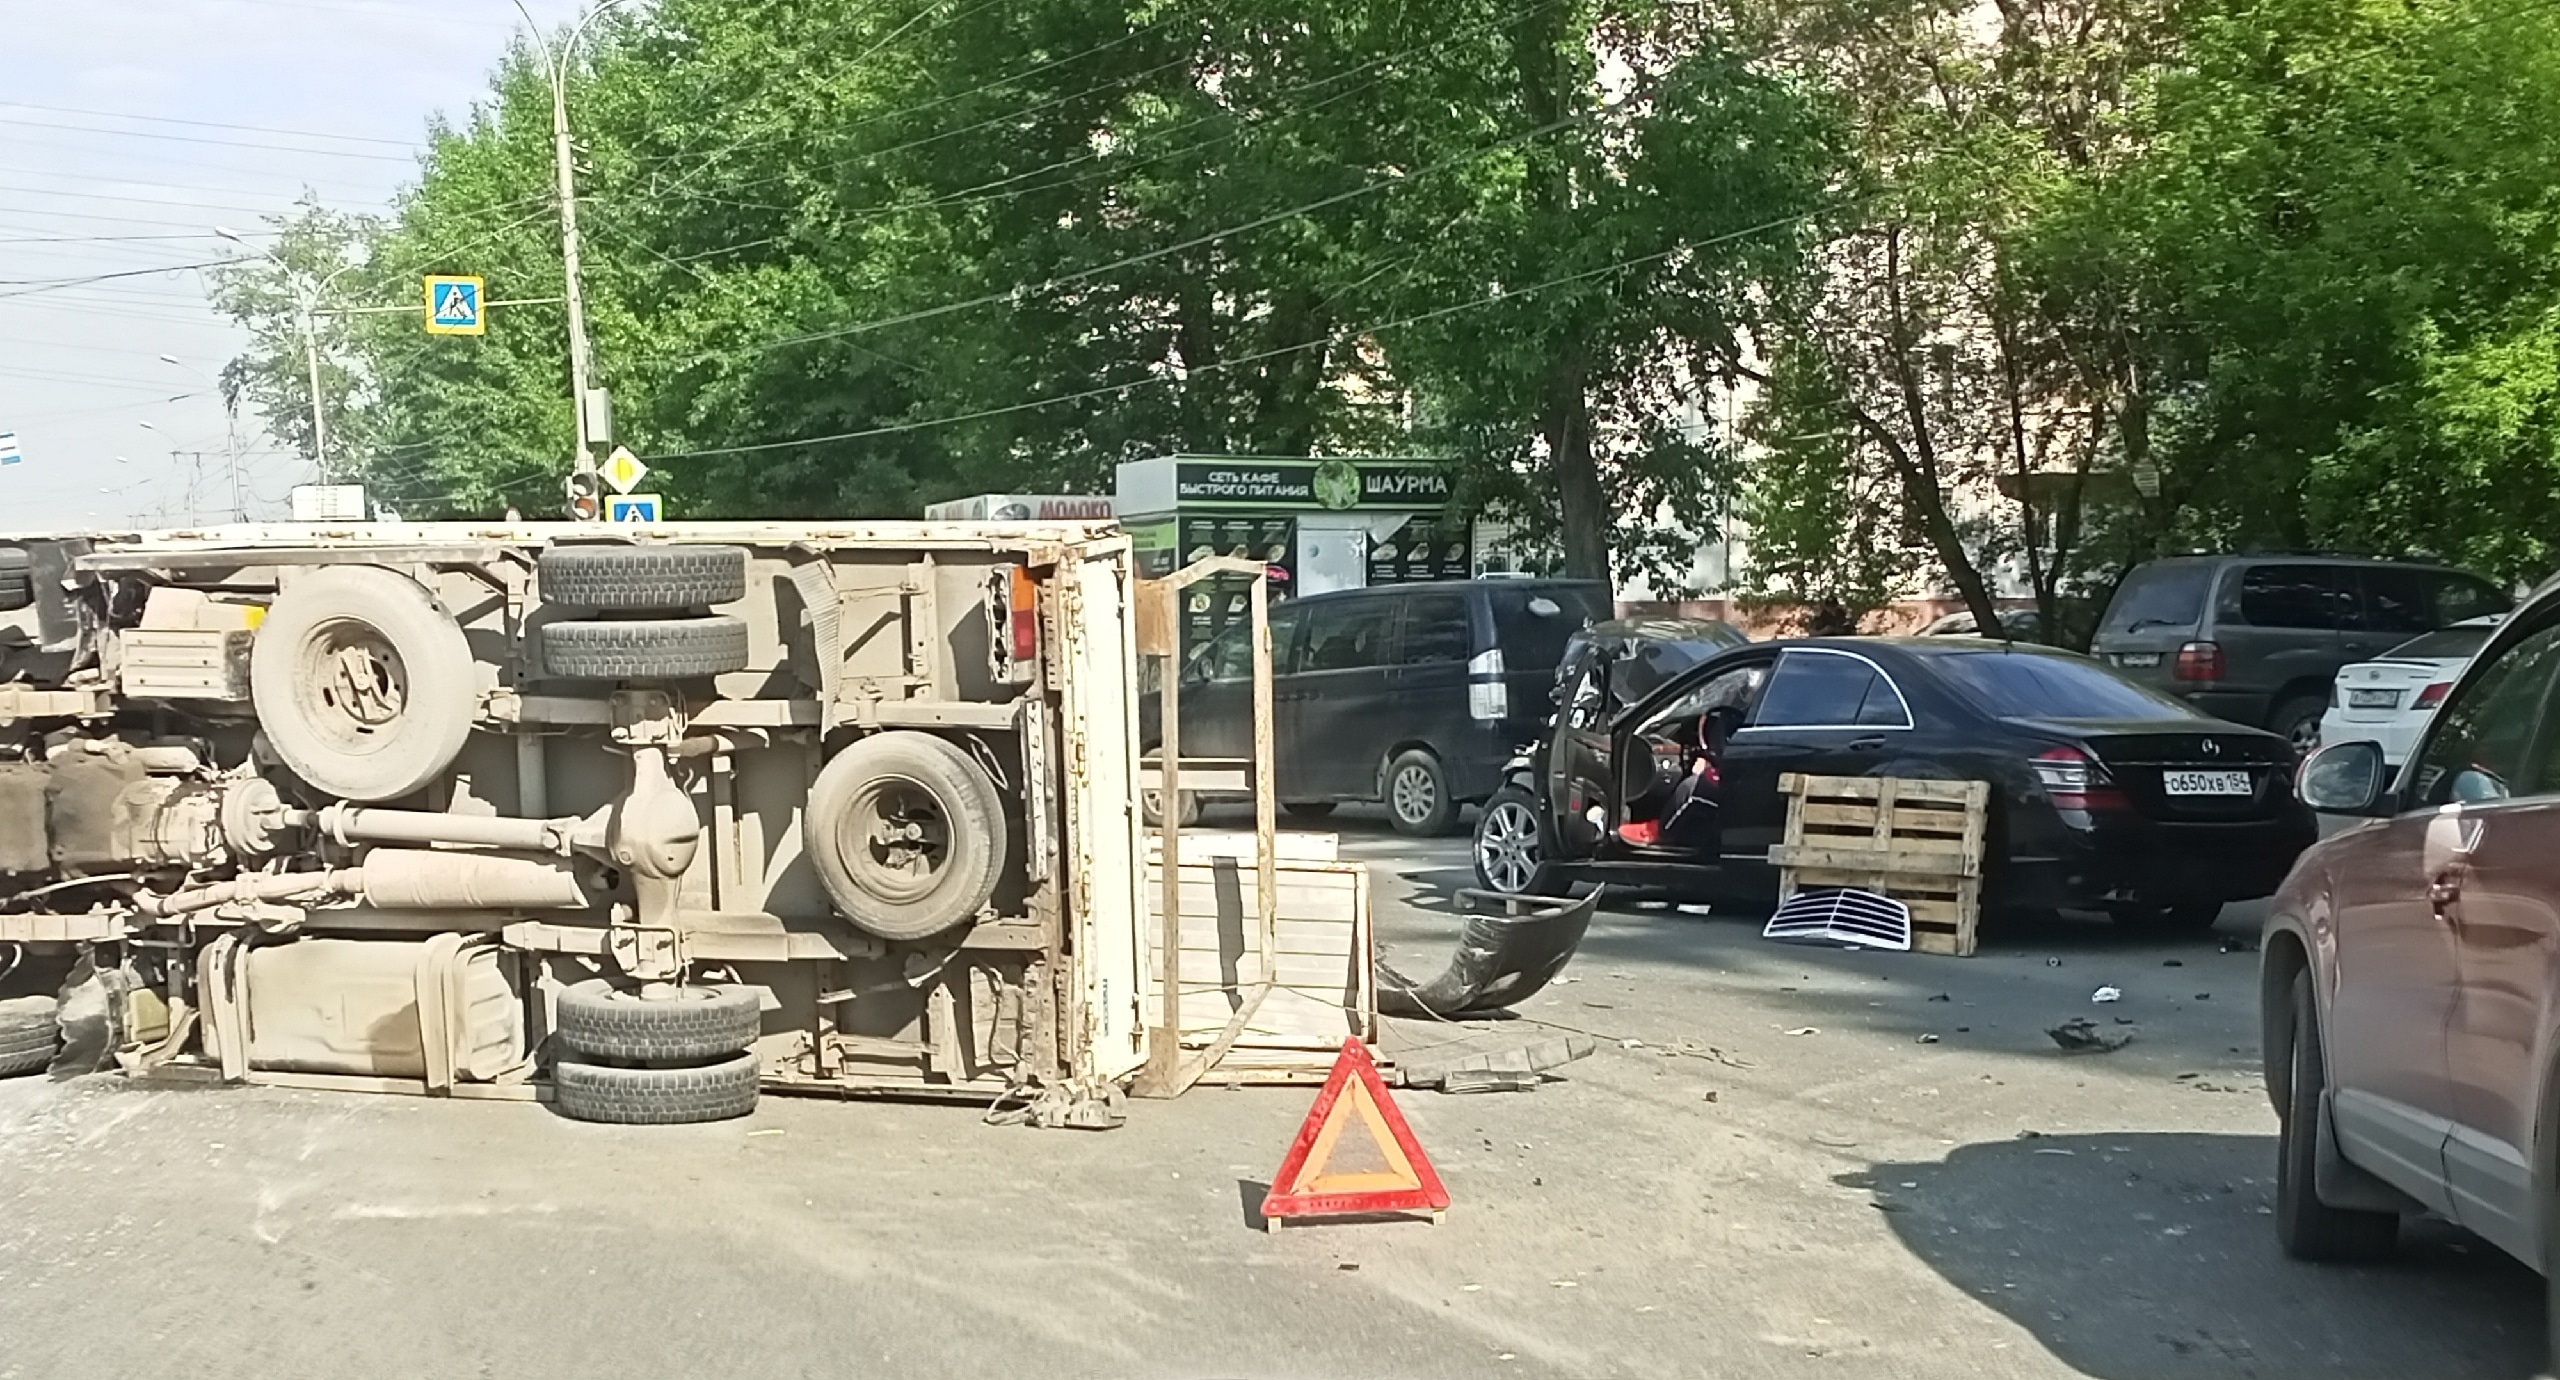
[[1084, 274], [1320, 342], [202, 139], [203, 124]]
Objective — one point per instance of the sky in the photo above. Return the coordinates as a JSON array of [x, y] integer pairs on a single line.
[[129, 131]]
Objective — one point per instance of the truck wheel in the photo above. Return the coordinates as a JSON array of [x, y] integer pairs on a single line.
[[2307, 1228], [642, 577], [645, 648], [601, 1021], [1151, 809], [1510, 846], [1418, 795], [28, 1035], [907, 834], [654, 1097], [362, 682], [17, 582]]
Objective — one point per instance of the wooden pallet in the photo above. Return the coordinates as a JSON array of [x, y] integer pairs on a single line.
[[1919, 842]]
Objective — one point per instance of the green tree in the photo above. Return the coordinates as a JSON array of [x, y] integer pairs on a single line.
[[2350, 215], [292, 288]]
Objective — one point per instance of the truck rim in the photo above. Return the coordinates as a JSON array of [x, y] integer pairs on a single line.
[[897, 837], [1507, 846], [353, 683]]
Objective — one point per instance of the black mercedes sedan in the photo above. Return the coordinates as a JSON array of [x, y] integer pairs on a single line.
[[2105, 795]]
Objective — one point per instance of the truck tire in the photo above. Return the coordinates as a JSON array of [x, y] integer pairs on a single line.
[[1151, 809], [28, 1035], [638, 578], [17, 581], [645, 648], [908, 834], [2307, 1228], [582, 1091], [601, 1021], [363, 682]]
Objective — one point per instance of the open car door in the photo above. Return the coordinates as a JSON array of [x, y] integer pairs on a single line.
[[1578, 764]]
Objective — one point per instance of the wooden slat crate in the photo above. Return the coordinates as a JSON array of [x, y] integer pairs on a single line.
[[1919, 842], [1325, 985]]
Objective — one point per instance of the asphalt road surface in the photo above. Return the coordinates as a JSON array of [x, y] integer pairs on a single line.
[[1784, 1161]]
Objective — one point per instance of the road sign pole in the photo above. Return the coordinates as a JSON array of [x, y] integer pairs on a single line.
[[311, 358], [584, 492]]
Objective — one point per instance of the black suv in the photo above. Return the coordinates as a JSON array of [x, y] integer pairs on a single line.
[[2257, 639], [1411, 694]]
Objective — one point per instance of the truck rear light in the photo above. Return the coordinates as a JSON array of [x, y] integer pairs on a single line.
[[2073, 782], [2432, 696], [2199, 661], [1487, 696], [1013, 606]]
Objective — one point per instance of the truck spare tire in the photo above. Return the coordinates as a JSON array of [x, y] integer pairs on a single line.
[[654, 1097], [908, 834], [28, 1034], [639, 578], [363, 682], [645, 648], [689, 1025]]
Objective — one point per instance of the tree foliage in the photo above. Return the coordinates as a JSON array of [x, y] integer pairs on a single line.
[[2013, 293], [848, 258]]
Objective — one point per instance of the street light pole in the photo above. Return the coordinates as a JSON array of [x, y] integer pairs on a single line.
[[585, 490]]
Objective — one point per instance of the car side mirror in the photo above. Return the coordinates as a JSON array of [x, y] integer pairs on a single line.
[[2343, 779]]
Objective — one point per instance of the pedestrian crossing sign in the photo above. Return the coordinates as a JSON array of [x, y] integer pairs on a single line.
[[453, 306], [631, 507]]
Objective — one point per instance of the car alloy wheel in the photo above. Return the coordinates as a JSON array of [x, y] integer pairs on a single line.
[[1415, 794], [1507, 846]]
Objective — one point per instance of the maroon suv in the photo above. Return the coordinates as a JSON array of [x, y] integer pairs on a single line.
[[2411, 1002]]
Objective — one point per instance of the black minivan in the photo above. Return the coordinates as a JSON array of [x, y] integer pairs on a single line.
[[1412, 694]]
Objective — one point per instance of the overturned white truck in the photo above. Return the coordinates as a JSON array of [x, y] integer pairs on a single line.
[[640, 821]]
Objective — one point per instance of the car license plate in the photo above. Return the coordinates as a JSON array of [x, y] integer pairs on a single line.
[[2373, 699], [2205, 782], [2137, 658]]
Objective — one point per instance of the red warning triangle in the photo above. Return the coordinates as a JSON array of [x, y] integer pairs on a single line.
[[1354, 1153]]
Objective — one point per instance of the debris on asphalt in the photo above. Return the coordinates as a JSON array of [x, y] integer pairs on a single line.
[[1847, 916], [1433, 1068], [2173, 963], [2204, 996], [1508, 948], [1926, 1040], [1942, 997], [2106, 994], [1806, 1030], [1490, 1080], [2081, 1035], [2053, 963]]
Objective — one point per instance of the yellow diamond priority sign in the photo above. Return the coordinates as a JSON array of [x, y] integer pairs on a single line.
[[623, 470]]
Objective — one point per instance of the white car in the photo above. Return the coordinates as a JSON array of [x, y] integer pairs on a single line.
[[2387, 700]]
